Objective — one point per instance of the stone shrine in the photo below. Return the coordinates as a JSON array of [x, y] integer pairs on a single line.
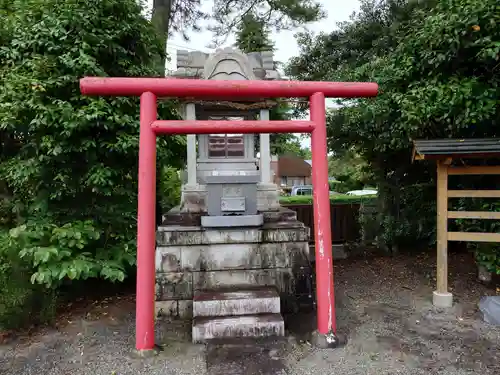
[[229, 256]]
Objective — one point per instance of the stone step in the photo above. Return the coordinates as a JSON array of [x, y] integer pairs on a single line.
[[236, 301], [219, 327]]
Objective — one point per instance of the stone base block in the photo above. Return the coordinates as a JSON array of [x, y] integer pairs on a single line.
[[442, 300], [145, 353], [235, 301], [232, 221], [483, 275], [178, 218], [267, 197], [177, 309], [177, 260], [208, 328], [176, 300], [280, 278], [284, 232], [189, 259], [194, 198], [328, 341]]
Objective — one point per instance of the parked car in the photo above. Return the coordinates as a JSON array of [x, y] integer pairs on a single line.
[[306, 190], [302, 190], [362, 192]]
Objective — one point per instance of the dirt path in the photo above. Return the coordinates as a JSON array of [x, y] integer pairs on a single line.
[[383, 306]]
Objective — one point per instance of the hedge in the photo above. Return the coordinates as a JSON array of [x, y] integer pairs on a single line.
[[337, 199]]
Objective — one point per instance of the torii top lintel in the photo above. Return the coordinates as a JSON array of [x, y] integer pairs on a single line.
[[195, 88]]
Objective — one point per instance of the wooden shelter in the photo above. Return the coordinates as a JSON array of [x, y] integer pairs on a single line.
[[445, 152]]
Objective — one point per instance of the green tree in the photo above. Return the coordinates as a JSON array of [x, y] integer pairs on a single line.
[[68, 165], [293, 146], [252, 35], [227, 16], [437, 66], [351, 170]]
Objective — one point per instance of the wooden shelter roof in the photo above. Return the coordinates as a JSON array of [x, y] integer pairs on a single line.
[[456, 148]]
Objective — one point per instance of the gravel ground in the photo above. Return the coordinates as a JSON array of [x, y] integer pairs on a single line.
[[383, 306]]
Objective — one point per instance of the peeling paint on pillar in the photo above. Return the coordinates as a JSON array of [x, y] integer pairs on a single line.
[[321, 199]]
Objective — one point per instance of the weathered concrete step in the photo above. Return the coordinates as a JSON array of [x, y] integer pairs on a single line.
[[236, 301], [259, 325]]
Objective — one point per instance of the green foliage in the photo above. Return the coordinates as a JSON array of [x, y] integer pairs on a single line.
[[226, 16], [276, 14], [59, 253], [21, 302], [350, 170], [436, 63], [487, 254], [68, 166], [170, 188], [337, 199], [252, 35]]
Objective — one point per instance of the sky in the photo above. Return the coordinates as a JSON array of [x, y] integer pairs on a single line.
[[285, 44]]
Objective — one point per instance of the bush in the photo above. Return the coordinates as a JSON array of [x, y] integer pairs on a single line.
[[407, 216], [486, 254], [169, 188], [68, 165], [337, 199], [21, 302]]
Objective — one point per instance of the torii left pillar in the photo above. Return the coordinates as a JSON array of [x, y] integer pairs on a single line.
[[149, 89]]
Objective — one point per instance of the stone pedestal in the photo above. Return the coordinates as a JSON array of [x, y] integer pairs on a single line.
[[190, 259], [193, 198], [442, 300]]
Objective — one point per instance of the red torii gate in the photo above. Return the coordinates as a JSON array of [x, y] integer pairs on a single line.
[[149, 89]]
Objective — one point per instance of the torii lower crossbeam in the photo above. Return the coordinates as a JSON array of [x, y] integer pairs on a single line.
[[149, 89]]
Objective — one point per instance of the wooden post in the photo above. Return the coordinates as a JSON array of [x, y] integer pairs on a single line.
[[441, 297]]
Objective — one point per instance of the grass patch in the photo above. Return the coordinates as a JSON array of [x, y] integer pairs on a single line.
[[337, 199]]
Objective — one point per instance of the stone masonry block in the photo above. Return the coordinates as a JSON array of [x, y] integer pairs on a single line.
[[193, 200], [173, 235], [207, 328], [165, 308], [177, 309], [233, 302], [281, 278], [168, 259], [233, 256], [174, 285]]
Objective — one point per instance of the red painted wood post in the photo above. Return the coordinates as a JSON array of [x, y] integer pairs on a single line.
[[223, 127], [322, 228], [146, 226]]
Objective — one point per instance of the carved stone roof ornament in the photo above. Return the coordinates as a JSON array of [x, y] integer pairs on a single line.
[[226, 63]]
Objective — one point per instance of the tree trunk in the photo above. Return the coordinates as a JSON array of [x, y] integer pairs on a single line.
[[162, 11]]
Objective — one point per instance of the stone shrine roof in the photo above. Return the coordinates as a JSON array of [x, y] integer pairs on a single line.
[[227, 63]]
